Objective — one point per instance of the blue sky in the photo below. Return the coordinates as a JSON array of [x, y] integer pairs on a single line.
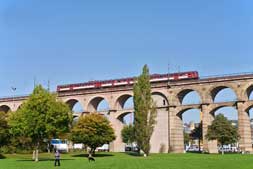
[[74, 41]]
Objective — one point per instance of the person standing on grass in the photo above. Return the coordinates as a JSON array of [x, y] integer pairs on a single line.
[[57, 158]]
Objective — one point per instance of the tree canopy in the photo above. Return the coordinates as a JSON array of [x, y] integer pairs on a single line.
[[40, 117], [4, 129], [145, 111], [93, 130], [127, 134], [197, 134], [222, 130]]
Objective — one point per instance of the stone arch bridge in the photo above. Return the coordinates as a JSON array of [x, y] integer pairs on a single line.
[[168, 132]]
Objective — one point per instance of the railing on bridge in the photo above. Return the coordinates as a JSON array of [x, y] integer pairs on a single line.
[[222, 102], [226, 75], [14, 97]]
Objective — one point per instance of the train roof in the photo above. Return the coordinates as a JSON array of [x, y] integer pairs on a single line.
[[127, 78]]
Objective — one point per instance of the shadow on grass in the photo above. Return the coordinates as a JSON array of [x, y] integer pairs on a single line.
[[95, 155], [2, 157], [135, 154], [44, 159], [194, 152]]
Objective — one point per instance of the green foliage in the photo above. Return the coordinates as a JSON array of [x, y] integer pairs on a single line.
[[7, 149], [4, 129], [197, 134], [187, 138], [21, 144], [40, 117], [93, 130], [145, 111], [10, 144], [222, 130], [127, 134]]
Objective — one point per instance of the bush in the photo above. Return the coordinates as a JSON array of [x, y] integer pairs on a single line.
[[7, 149]]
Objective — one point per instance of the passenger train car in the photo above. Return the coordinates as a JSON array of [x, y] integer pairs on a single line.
[[129, 81]]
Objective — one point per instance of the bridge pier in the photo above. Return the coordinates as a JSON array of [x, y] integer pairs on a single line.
[[207, 118], [117, 145], [176, 132], [245, 142], [159, 141]]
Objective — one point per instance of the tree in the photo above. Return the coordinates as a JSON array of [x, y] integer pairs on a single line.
[[145, 111], [187, 139], [223, 131], [93, 130], [197, 134], [4, 129], [40, 118], [127, 134]]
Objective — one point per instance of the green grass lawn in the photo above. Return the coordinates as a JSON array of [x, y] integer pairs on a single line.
[[124, 161]]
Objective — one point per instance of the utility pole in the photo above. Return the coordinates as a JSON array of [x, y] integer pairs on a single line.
[[168, 74], [48, 85], [13, 89], [168, 70], [34, 82], [178, 69]]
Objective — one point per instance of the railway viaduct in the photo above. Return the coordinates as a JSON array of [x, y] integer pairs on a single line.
[[168, 132]]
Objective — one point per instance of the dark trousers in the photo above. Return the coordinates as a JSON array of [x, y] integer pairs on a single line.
[[57, 161]]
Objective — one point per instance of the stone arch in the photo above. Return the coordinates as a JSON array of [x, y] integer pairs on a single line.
[[72, 103], [183, 93], [181, 112], [75, 118], [121, 100], [212, 112], [249, 92], [248, 108], [160, 99], [214, 91], [187, 124], [121, 116], [94, 103], [19, 106], [216, 109], [5, 108]]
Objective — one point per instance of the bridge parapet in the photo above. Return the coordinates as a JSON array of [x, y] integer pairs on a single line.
[[13, 98]]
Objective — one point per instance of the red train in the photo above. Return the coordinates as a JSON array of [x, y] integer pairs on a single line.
[[129, 81]]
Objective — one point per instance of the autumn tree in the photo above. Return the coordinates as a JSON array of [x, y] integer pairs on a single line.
[[145, 111], [41, 117], [93, 130]]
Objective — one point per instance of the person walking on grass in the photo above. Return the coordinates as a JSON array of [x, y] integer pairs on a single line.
[[57, 158]]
